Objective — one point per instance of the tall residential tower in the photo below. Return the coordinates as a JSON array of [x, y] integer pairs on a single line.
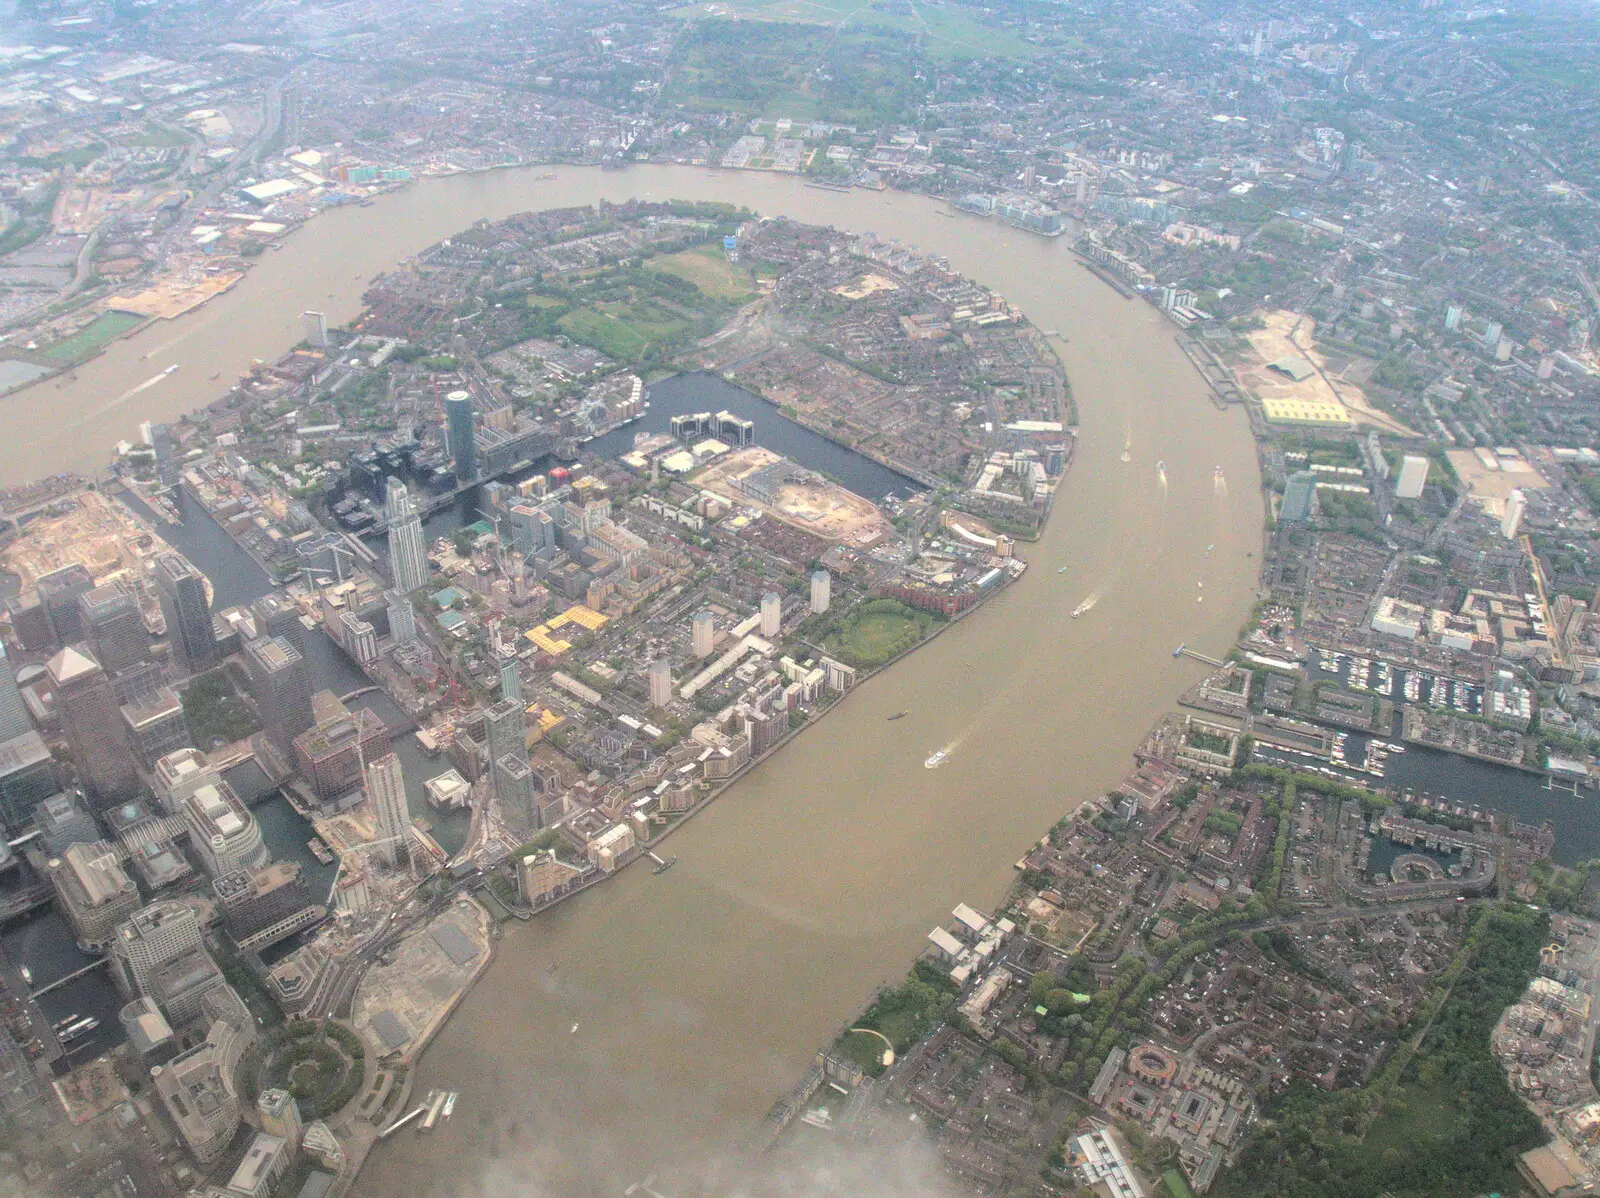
[[408, 556]]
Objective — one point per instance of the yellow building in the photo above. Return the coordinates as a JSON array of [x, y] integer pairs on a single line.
[[584, 617], [1306, 411]]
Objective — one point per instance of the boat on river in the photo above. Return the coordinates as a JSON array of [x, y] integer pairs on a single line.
[[899, 715], [1082, 607], [936, 759]]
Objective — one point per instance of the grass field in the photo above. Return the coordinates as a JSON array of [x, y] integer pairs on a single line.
[[1177, 1187], [801, 70], [873, 637], [94, 336], [949, 30], [625, 331], [708, 268]]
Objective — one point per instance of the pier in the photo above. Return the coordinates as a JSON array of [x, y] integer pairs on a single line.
[[1185, 651]]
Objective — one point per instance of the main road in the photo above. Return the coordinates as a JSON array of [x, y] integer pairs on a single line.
[[702, 993]]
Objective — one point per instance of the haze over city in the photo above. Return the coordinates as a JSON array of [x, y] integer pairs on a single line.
[[779, 599]]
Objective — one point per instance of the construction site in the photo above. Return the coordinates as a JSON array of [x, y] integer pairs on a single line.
[[795, 495]]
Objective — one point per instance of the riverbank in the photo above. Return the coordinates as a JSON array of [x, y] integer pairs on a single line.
[[793, 734], [873, 846]]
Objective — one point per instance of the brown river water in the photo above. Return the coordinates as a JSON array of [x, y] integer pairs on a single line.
[[700, 995]]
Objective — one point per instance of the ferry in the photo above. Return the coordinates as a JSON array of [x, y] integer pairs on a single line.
[[1063, 570], [574, 1030], [899, 715], [663, 866], [320, 851], [27, 975], [936, 759], [1082, 607], [171, 369]]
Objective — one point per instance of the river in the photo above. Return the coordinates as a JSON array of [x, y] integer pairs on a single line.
[[700, 995]]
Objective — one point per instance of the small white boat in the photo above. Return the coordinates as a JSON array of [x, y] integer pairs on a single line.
[[574, 1031], [1082, 607], [1063, 570], [27, 975], [933, 762]]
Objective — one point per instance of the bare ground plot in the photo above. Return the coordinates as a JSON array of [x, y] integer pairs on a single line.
[[1293, 335], [1486, 483], [816, 505]]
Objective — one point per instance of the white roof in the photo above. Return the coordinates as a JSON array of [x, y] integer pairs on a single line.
[[972, 919], [945, 942]]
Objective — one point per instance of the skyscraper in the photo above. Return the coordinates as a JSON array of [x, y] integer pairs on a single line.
[[386, 791], [276, 616], [182, 590], [1511, 521], [505, 729], [281, 684], [153, 937], [402, 620], [510, 680], [93, 725], [169, 466], [93, 891], [517, 788], [821, 590], [1413, 477], [408, 557], [113, 627], [280, 1116], [771, 614], [14, 719], [316, 328], [458, 428], [703, 633], [222, 832], [199, 1094], [660, 682], [27, 779], [58, 595]]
